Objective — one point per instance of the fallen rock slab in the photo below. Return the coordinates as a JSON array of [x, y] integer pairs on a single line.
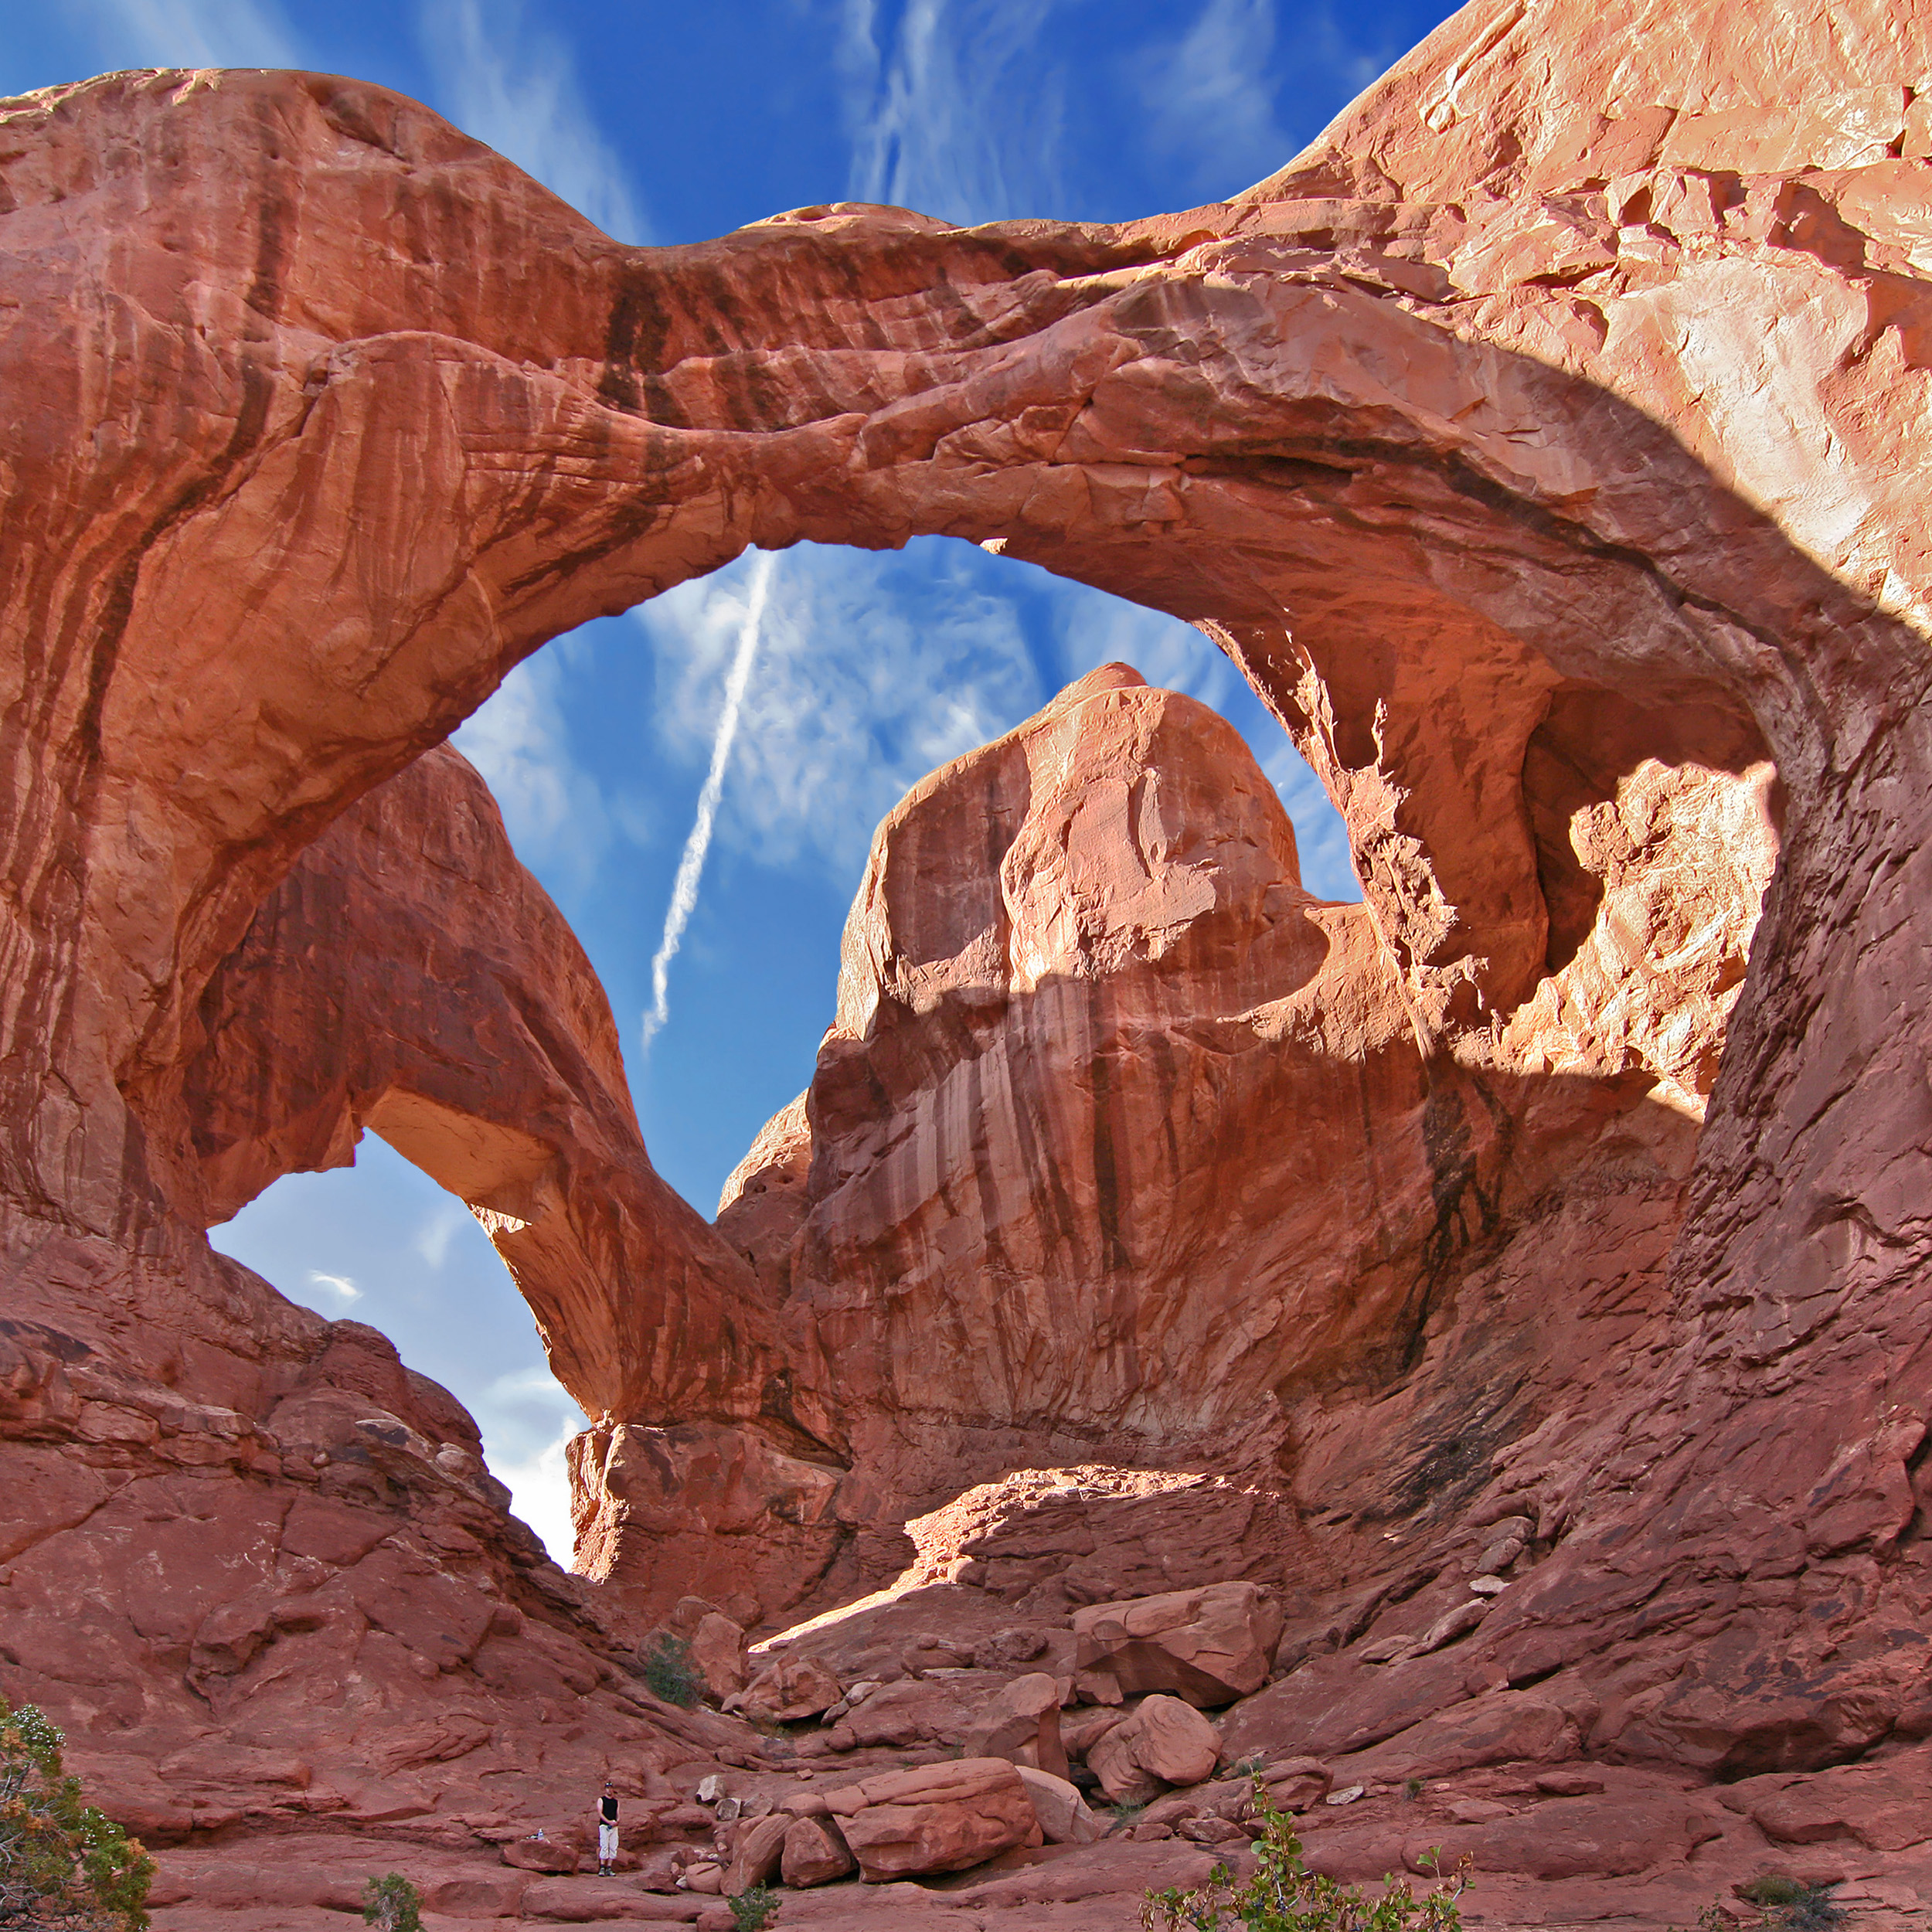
[[940, 1818], [1209, 1646], [1504, 1727], [1605, 1837], [1022, 1723], [1165, 1742], [756, 1855], [814, 1853], [587, 1901], [548, 1855], [788, 1691], [1885, 1807], [1064, 1815]]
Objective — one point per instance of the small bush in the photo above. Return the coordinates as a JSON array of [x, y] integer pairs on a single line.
[[392, 1904], [1784, 1905], [1285, 1896], [1127, 1812], [751, 1911], [665, 1661], [63, 1866]]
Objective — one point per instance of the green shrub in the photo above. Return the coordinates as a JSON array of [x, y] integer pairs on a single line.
[[392, 1904], [63, 1866], [665, 1661], [1784, 1905], [751, 1911], [1285, 1896]]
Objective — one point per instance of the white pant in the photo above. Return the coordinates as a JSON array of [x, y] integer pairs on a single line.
[[607, 1843]]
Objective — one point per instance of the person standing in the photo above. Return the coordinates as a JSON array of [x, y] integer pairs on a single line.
[[608, 1830]]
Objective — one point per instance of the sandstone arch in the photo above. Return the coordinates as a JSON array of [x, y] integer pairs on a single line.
[[1432, 428]]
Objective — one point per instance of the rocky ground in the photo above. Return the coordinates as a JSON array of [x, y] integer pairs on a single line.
[[899, 1767]]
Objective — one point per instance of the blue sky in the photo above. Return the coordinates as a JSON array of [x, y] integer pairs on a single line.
[[669, 124]]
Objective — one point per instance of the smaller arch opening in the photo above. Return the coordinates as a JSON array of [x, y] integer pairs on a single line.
[[380, 1242]]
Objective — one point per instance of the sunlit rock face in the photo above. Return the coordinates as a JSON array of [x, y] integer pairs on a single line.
[[1124, 1149], [1547, 446]]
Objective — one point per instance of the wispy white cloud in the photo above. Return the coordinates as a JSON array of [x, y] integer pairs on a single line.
[[193, 33], [949, 108], [1216, 96], [869, 675], [520, 740], [339, 1285], [527, 1419], [684, 887], [1209, 94], [513, 85], [873, 670], [436, 1230]]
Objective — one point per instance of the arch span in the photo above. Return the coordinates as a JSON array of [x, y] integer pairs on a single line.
[[1431, 429]]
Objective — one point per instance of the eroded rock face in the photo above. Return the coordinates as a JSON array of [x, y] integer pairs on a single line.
[[1545, 444]]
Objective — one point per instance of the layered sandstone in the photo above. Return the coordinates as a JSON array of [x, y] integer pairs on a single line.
[[1546, 445]]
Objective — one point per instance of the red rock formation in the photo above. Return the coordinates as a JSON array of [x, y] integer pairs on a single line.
[[1545, 444]]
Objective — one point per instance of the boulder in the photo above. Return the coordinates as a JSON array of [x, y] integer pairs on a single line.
[[1122, 1778], [1293, 1784], [756, 1851], [1063, 1815], [1606, 1837], [815, 1852], [550, 1854], [1081, 1731], [718, 1653], [1164, 1741], [1504, 1727], [1884, 1806], [1022, 1723], [789, 1690], [942, 1818], [1210, 1646]]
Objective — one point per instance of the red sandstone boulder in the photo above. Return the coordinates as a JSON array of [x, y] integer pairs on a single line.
[[1164, 1741], [1886, 1806], [1022, 1723], [756, 1852], [788, 1690], [1605, 1837], [1063, 1815], [718, 1652], [815, 1852], [546, 1854], [943, 1818], [1210, 1646]]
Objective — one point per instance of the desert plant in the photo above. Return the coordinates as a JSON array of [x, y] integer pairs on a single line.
[[64, 1867], [1127, 1812], [392, 1904], [665, 1661], [751, 1911], [1285, 1896], [1413, 1788], [1784, 1905]]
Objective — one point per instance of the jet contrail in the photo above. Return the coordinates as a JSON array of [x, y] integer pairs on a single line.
[[684, 888]]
